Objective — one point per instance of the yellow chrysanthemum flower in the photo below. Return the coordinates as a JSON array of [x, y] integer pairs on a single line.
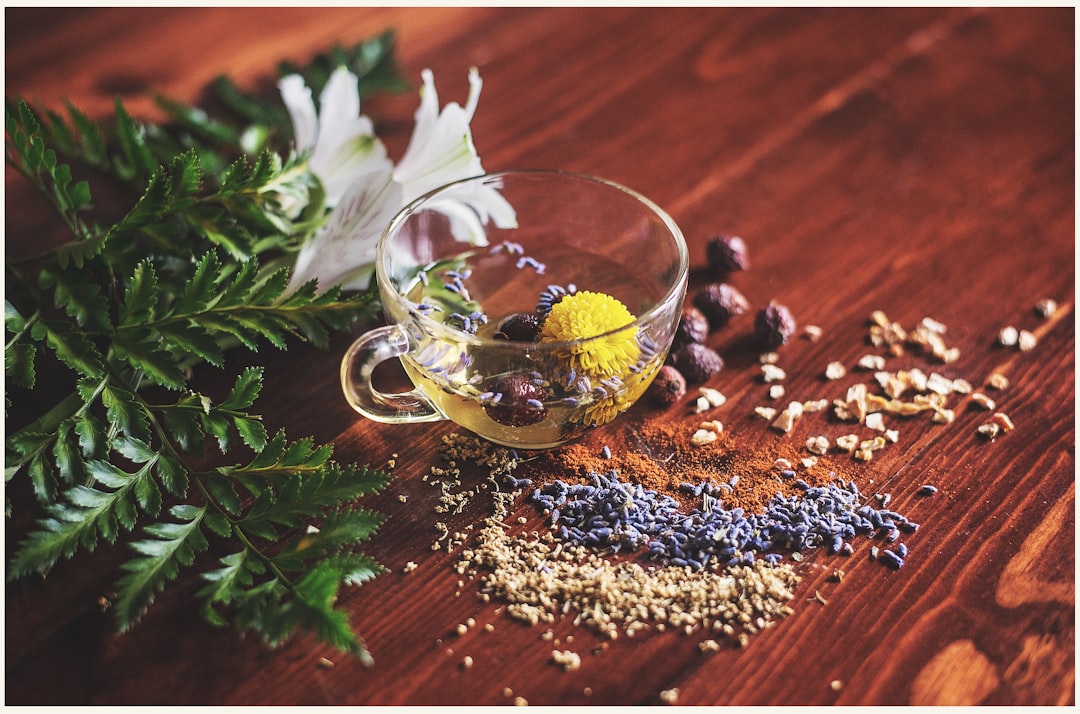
[[589, 314], [604, 410]]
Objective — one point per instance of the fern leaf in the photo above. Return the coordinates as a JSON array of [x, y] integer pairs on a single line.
[[140, 296], [70, 346], [172, 545]]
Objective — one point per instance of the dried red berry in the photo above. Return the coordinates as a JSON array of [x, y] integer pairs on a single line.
[[774, 325], [727, 254], [697, 362], [518, 400], [693, 326], [720, 302], [519, 327], [668, 387]]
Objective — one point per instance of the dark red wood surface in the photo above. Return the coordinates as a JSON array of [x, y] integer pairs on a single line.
[[918, 161]]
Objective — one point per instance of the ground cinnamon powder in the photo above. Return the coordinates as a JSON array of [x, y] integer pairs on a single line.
[[652, 447]]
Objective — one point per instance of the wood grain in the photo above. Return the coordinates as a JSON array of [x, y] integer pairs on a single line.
[[914, 160]]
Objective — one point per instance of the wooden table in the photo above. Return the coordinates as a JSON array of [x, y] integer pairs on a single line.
[[918, 161]]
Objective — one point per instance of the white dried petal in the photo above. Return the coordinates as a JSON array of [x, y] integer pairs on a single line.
[[983, 401], [1026, 341], [702, 405], [939, 384], [864, 455], [714, 426], [878, 317], [961, 386], [569, 661], [917, 379], [813, 332], [989, 429], [875, 421], [772, 373], [872, 362], [847, 442], [943, 416], [892, 435], [809, 462], [702, 437], [769, 358], [782, 464], [998, 381], [933, 325], [795, 408], [1003, 421], [835, 370], [817, 445], [950, 355], [875, 444], [1008, 336], [714, 396], [1046, 307], [784, 422], [841, 410], [815, 405], [776, 391], [768, 413]]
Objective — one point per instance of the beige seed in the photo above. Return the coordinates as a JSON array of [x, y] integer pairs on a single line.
[[835, 370], [847, 442], [875, 421], [714, 397], [772, 373], [670, 696], [701, 437], [813, 332], [983, 401], [817, 445], [872, 362], [776, 391], [1026, 341], [1046, 307], [467, 663], [998, 381], [1008, 336]]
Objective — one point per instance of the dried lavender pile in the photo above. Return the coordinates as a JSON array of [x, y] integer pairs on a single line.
[[610, 515]]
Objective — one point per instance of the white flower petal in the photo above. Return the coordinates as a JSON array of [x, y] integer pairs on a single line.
[[345, 247], [301, 107]]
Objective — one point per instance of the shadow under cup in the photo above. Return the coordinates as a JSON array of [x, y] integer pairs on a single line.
[[600, 269]]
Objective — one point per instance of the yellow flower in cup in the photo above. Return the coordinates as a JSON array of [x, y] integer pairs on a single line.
[[610, 362], [588, 314]]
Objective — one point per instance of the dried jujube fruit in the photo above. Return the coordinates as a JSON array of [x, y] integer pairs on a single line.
[[697, 362], [668, 387], [726, 254], [774, 325], [693, 326], [516, 401], [518, 327], [720, 302]]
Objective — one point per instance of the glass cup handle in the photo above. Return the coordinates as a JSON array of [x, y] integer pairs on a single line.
[[360, 360]]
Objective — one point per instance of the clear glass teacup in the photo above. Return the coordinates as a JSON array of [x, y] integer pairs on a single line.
[[527, 331]]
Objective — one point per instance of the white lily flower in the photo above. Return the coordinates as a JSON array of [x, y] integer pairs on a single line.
[[440, 151], [341, 140]]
